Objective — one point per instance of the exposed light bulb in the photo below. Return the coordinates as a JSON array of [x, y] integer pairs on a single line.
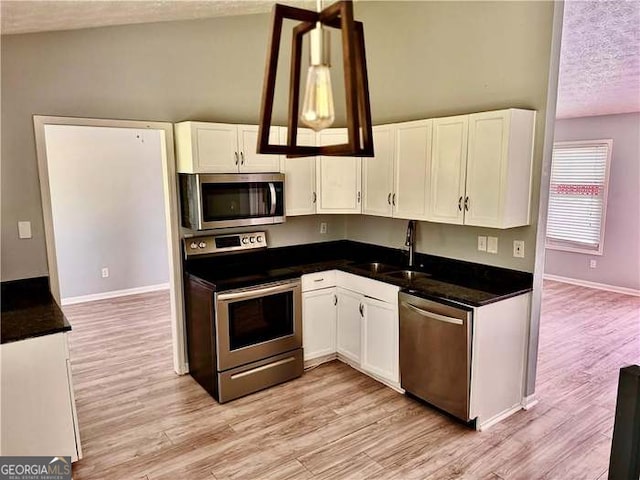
[[317, 107]]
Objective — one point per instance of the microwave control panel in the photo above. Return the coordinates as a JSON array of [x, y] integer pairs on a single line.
[[224, 243]]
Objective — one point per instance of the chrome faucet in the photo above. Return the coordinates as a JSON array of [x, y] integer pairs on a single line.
[[411, 240]]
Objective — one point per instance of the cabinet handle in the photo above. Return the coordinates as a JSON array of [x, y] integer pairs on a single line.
[[235, 154], [393, 200], [335, 300], [466, 204], [319, 280], [358, 197], [241, 158], [460, 204], [389, 199], [315, 197], [361, 310]]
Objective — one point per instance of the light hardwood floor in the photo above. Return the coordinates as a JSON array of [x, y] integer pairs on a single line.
[[138, 420]]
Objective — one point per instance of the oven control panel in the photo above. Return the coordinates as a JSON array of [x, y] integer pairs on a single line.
[[224, 243]]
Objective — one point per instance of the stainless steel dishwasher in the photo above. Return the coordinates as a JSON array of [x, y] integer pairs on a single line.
[[435, 353]]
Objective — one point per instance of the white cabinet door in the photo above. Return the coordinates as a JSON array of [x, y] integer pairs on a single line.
[[338, 178], [377, 174], [448, 169], [413, 163], [203, 147], [250, 161], [499, 162], [486, 167], [37, 413], [319, 315], [350, 311], [380, 339], [299, 176]]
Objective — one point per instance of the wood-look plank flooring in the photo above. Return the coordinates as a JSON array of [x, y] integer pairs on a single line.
[[138, 420]]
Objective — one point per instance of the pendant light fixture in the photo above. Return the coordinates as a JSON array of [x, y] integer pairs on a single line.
[[318, 111]]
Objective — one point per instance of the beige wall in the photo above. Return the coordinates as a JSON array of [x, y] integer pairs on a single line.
[[425, 59], [448, 58]]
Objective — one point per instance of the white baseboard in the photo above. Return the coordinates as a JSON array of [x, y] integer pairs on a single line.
[[529, 402], [114, 294], [599, 286], [485, 425]]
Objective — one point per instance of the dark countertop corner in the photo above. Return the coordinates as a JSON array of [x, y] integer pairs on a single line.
[[28, 310]]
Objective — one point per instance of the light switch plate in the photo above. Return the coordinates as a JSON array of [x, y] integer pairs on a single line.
[[24, 229], [492, 244], [323, 227], [482, 243], [518, 248]]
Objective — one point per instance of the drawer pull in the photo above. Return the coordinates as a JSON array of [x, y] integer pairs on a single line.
[[263, 367], [319, 280]]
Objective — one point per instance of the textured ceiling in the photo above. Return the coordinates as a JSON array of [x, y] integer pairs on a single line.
[[25, 16], [600, 59]]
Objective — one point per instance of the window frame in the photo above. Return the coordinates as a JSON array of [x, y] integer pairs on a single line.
[[567, 246]]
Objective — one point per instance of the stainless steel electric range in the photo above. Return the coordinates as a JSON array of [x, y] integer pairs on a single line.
[[245, 338]]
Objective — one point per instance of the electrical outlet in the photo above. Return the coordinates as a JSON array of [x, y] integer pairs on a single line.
[[593, 263], [518, 248], [24, 229], [482, 243], [105, 272], [323, 227], [492, 244]]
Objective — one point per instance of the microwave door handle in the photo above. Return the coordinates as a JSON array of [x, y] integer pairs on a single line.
[[272, 190]]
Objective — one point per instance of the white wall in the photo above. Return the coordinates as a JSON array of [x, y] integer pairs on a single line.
[[619, 264], [108, 208]]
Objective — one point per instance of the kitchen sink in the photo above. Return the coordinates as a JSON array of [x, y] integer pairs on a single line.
[[376, 268], [410, 275]]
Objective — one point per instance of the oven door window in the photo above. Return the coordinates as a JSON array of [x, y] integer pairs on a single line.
[[260, 319], [233, 201]]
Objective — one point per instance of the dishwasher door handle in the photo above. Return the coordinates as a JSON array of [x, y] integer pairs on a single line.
[[435, 316]]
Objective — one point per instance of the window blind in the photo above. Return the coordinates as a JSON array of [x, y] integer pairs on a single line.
[[577, 196]]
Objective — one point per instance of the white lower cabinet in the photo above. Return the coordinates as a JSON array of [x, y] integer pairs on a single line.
[[349, 324], [341, 316], [38, 415], [380, 339], [319, 314]]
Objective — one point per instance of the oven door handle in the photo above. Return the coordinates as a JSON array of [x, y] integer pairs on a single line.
[[257, 292], [272, 190]]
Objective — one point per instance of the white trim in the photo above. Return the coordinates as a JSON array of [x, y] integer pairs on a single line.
[[483, 426], [170, 190], [529, 402], [114, 294], [596, 285]]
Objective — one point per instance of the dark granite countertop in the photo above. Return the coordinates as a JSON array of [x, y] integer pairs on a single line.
[[28, 310], [453, 280]]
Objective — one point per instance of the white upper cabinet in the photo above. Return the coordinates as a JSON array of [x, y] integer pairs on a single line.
[[250, 161], [448, 169], [377, 174], [338, 179], [299, 176], [203, 147], [412, 164], [499, 162]]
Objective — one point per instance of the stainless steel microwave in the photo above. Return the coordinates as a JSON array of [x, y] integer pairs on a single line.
[[231, 200]]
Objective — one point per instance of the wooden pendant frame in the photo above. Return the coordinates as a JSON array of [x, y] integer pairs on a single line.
[[360, 136]]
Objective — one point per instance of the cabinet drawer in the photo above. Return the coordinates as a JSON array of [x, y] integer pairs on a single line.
[[315, 281]]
